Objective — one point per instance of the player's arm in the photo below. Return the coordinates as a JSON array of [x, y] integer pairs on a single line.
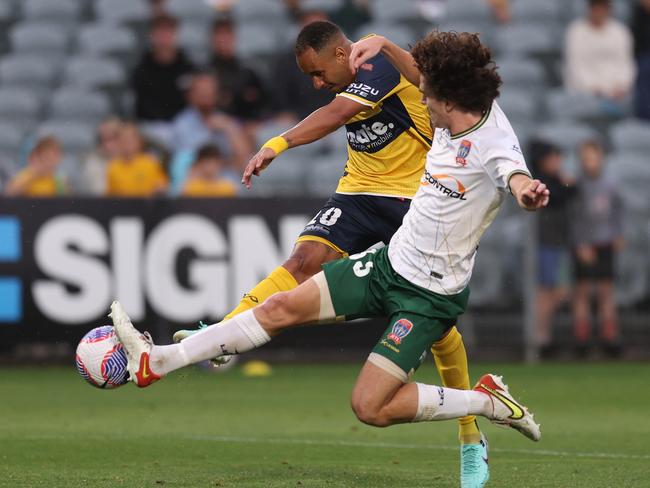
[[315, 126], [370, 47], [530, 194]]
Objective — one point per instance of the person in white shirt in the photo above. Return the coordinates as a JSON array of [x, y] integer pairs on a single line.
[[420, 279], [599, 57]]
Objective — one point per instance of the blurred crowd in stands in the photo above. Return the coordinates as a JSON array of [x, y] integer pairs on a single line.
[[210, 80]]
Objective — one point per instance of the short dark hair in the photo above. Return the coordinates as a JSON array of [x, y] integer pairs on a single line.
[[164, 20], [594, 3], [208, 151], [457, 68], [316, 35]]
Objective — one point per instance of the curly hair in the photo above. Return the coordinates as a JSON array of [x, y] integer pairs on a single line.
[[458, 69]]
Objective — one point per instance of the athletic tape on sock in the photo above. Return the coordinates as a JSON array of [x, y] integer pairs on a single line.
[[252, 328]]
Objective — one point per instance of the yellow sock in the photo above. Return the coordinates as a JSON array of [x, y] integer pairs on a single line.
[[279, 280], [451, 360]]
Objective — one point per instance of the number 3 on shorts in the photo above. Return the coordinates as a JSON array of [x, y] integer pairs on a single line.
[[362, 269]]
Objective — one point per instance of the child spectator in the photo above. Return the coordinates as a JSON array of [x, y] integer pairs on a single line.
[[597, 226], [206, 179], [553, 241], [93, 169], [39, 178], [135, 173]]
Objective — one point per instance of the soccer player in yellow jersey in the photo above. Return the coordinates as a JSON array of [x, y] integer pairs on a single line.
[[389, 134]]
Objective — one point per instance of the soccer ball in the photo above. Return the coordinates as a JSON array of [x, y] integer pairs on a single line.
[[101, 359]]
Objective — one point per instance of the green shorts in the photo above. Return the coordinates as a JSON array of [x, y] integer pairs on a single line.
[[365, 285]]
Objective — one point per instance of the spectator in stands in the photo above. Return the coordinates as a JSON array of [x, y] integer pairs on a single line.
[[159, 76], [202, 123], [552, 241], [158, 7], [641, 33], [295, 96], [135, 173], [94, 165], [597, 228], [206, 175], [599, 58], [241, 93], [39, 178]]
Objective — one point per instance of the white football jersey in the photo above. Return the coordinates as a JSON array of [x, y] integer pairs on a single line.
[[464, 183]]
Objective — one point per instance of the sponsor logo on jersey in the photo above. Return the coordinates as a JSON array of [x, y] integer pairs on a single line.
[[435, 181], [400, 330], [463, 152], [372, 134], [361, 90]]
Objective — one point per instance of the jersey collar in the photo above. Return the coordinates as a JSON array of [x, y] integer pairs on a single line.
[[476, 126]]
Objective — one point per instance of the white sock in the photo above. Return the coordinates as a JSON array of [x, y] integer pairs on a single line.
[[439, 403], [239, 334]]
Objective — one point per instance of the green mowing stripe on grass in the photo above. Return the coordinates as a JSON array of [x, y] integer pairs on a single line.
[[296, 428]]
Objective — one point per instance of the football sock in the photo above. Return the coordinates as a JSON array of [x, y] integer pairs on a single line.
[[451, 360], [239, 334], [279, 280], [439, 403]]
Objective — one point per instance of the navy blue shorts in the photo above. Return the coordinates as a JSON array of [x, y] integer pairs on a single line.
[[353, 223]]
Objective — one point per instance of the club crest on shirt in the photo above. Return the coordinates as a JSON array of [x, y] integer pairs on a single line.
[[401, 329], [463, 152]]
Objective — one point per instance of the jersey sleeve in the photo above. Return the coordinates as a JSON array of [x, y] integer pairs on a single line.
[[374, 83], [503, 159]]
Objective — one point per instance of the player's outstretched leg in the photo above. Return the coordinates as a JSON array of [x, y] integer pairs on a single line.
[[251, 329]]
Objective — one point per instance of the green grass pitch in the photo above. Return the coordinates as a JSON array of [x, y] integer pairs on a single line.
[[295, 429]]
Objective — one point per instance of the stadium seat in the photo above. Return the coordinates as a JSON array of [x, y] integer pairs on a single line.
[[466, 11], [631, 135], [631, 280], [286, 176], [12, 137], [103, 39], [521, 73], [527, 38], [562, 104], [487, 277], [267, 11], [75, 137], [401, 35], [631, 168], [536, 11], [520, 104], [193, 36], [19, 106], [94, 72], [79, 105], [123, 11], [192, 10], [324, 5], [484, 29], [60, 11], [323, 175], [389, 11], [33, 72], [40, 38], [566, 134], [256, 39]]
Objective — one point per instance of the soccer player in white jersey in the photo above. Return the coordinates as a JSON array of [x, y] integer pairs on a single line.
[[420, 280]]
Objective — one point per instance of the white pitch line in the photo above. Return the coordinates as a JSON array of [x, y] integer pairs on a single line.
[[343, 443], [389, 445]]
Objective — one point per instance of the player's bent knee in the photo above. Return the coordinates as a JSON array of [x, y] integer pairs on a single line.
[[368, 413], [277, 311], [306, 260]]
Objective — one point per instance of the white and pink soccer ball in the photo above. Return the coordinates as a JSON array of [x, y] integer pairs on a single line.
[[101, 359]]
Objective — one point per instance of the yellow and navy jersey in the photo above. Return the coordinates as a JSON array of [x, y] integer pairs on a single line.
[[388, 142]]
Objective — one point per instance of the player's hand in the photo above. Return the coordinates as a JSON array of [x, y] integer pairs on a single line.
[[257, 164], [533, 195], [364, 50]]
